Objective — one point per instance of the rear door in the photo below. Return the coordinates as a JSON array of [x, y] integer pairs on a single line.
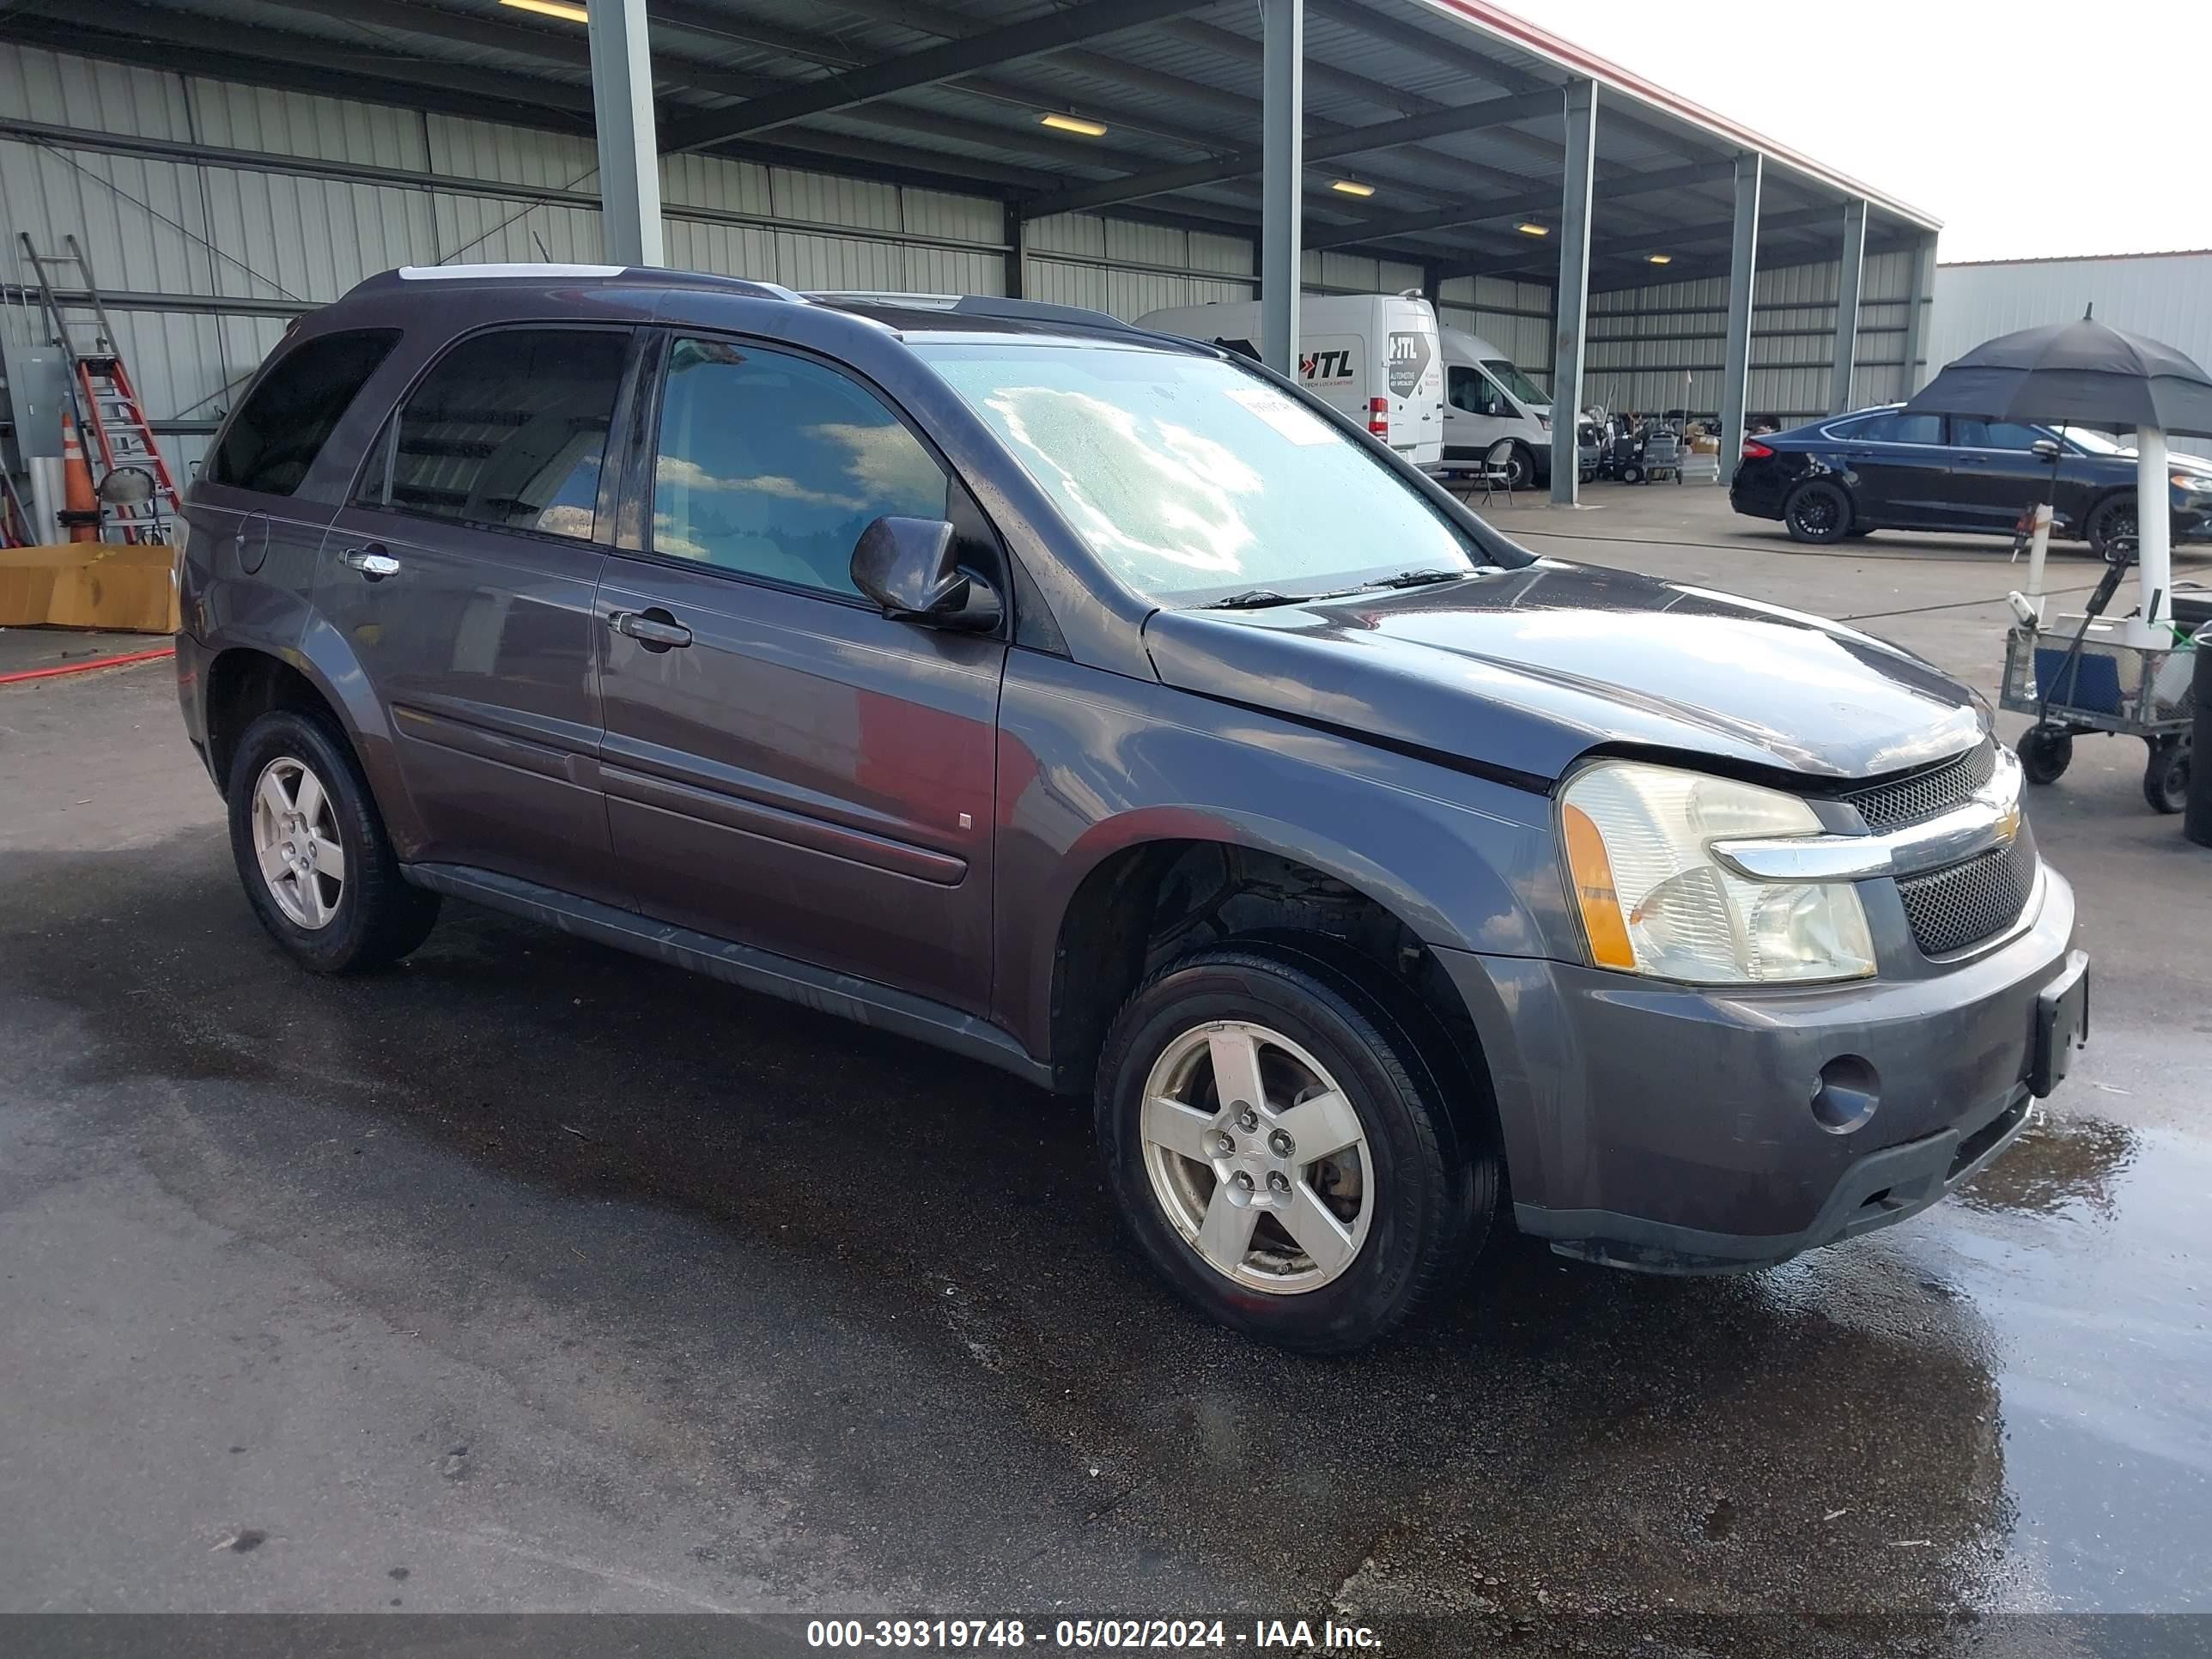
[[1334, 367], [783, 765], [1902, 471], [462, 573], [1414, 378]]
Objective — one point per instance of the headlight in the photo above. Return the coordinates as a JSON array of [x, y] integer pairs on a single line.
[[1655, 900], [2197, 484]]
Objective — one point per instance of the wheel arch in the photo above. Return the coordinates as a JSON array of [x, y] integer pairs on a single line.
[[247, 679], [1148, 899]]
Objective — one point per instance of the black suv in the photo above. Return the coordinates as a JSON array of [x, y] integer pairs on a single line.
[[1100, 706]]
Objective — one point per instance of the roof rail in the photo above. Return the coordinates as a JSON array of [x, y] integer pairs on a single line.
[[976, 305], [650, 275]]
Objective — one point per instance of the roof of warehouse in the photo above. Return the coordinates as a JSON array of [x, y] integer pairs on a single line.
[[1449, 110]]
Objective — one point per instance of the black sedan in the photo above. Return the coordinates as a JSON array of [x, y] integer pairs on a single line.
[[1880, 469]]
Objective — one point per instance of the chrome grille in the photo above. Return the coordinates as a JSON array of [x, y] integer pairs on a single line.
[[1953, 908], [1926, 793]]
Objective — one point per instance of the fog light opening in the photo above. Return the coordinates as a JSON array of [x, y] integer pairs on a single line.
[[1849, 1090]]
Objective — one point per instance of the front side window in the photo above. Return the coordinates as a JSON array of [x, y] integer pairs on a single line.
[[1468, 390], [509, 429], [772, 466], [1191, 479], [1993, 434], [282, 426]]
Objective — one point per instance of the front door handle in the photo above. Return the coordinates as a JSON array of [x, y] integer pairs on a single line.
[[373, 561], [654, 629]]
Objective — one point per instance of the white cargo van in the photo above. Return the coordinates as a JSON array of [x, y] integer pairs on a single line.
[[1375, 356], [1487, 398]]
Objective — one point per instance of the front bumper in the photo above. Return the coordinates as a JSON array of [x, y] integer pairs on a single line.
[[1671, 1129]]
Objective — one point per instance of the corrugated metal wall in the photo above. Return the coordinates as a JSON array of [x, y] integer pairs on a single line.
[[277, 237], [2167, 296], [1663, 346], [1515, 317], [1127, 269]]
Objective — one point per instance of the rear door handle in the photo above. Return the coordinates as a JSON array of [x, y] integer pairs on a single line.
[[373, 561], [654, 629]]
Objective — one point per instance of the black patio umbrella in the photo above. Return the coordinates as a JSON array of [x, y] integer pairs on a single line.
[[2079, 374]]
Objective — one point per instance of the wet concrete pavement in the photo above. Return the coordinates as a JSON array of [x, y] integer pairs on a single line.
[[530, 1275]]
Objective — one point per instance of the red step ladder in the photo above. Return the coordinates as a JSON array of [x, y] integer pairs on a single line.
[[117, 436]]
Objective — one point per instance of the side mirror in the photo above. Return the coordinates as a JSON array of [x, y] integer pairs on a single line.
[[910, 567], [2046, 449]]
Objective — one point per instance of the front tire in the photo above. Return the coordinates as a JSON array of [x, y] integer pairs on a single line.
[[1817, 513], [2166, 774], [1521, 467], [2111, 521], [312, 850], [2045, 752], [1320, 1216]]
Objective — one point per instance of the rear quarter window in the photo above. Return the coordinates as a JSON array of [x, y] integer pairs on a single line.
[[277, 434]]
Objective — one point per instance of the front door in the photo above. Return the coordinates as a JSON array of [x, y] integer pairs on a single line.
[[1475, 414], [1996, 474], [462, 575], [783, 766]]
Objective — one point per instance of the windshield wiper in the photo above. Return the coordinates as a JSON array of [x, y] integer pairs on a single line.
[[1256, 598], [1418, 578]]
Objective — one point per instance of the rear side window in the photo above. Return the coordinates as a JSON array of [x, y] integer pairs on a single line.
[[772, 466], [277, 434], [510, 430], [1898, 428]]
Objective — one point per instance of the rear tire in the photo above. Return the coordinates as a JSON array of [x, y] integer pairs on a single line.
[[2165, 776], [311, 848], [1321, 1254], [2045, 752], [1817, 513]]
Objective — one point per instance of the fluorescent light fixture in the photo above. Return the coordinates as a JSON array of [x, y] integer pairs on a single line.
[[1059, 122], [1352, 187], [551, 8], [1660, 258], [1533, 230]]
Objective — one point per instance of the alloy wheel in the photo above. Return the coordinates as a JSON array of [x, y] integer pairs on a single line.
[[1257, 1158], [296, 840]]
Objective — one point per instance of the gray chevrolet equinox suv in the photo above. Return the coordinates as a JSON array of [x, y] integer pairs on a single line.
[[1102, 707]]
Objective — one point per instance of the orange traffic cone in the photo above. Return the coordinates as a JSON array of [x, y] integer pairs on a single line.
[[80, 512]]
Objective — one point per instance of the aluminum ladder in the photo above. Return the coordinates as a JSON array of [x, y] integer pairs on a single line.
[[110, 419]]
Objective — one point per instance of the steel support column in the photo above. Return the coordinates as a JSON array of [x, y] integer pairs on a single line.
[[1570, 296], [1919, 310], [1852, 272], [622, 111], [1743, 274], [1018, 255], [1282, 121]]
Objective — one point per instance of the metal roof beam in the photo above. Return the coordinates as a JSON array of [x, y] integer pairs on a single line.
[[192, 31], [1536, 201], [1357, 141], [994, 47]]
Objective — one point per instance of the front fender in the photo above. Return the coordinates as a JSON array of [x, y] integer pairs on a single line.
[[1091, 763]]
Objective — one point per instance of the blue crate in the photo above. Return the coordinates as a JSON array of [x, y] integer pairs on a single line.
[[2092, 683]]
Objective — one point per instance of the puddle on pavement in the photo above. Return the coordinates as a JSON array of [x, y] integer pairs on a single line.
[[1993, 1403]]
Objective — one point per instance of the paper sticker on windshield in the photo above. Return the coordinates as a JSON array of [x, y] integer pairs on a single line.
[[1280, 412]]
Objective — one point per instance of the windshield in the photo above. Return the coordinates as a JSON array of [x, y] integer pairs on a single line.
[[1524, 389], [1191, 479], [2097, 443]]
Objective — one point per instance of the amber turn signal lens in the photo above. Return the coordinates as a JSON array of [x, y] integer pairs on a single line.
[[1594, 892]]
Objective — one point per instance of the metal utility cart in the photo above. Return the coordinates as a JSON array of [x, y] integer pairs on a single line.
[[2089, 683]]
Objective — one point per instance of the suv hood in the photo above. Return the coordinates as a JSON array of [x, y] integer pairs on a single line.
[[1523, 671]]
